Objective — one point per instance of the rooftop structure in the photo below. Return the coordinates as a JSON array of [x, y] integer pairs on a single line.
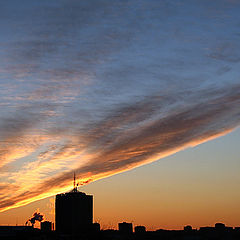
[[73, 212]]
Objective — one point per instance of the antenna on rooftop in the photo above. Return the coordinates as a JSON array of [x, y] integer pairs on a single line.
[[74, 181]]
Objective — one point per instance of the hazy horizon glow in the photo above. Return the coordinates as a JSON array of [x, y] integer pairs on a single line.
[[101, 87]]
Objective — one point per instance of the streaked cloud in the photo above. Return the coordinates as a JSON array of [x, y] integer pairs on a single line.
[[101, 87]]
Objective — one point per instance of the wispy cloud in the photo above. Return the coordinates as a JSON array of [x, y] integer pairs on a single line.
[[119, 144], [103, 87]]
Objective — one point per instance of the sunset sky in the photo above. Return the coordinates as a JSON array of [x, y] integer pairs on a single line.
[[140, 98]]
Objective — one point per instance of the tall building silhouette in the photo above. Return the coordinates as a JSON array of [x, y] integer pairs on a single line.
[[73, 212]]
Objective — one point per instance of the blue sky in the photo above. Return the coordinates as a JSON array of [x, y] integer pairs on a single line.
[[101, 87]]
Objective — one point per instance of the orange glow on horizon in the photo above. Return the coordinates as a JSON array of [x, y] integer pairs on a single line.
[[96, 177]]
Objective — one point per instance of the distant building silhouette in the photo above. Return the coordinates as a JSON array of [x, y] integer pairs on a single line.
[[139, 229], [187, 228], [96, 227], [220, 226], [47, 226], [73, 212], [12, 232], [125, 228]]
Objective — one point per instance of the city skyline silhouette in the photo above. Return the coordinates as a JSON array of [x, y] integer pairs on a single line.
[[74, 220], [139, 98]]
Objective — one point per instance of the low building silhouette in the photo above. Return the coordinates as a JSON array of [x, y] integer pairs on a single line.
[[139, 229], [15, 232], [125, 228], [187, 228], [96, 227], [47, 226], [220, 226]]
